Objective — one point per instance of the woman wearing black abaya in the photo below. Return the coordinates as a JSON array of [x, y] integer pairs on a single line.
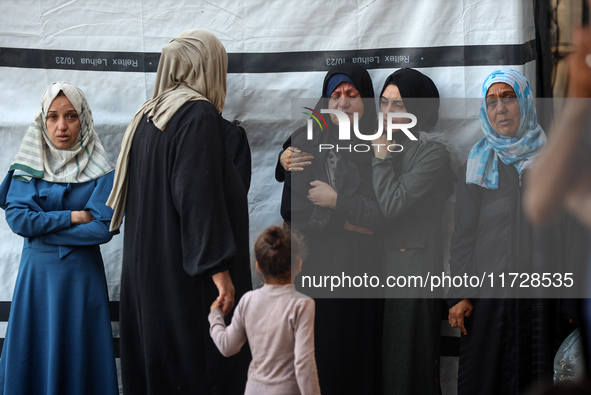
[[333, 204], [186, 228]]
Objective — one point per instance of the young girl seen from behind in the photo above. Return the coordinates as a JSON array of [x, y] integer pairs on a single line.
[[277, 321]]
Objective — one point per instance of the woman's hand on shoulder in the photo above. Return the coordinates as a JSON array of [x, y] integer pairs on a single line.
[[457, 314], [81, 217], [293, 159]]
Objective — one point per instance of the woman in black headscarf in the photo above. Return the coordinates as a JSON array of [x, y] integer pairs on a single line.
[[411, 184], [333, 204]]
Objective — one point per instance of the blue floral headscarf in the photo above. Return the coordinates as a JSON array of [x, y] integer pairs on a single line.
[[516, 150]]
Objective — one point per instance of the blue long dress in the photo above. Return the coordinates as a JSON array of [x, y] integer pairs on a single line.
[[59, 338]]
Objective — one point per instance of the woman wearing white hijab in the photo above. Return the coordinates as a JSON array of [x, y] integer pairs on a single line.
[[59, 338], [186, 224]]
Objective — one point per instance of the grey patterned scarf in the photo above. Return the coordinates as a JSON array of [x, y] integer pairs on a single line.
[[37, 157]]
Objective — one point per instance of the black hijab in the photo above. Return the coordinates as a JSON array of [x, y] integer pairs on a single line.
[[413, 84], [353, 174], [367, 124]]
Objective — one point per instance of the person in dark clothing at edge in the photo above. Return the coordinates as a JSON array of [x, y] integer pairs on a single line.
[[508, 343]]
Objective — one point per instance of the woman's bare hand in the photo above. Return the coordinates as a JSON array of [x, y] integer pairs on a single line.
[[81, 217], [225, 286], [458, 313], [322, 194], [292, 159]]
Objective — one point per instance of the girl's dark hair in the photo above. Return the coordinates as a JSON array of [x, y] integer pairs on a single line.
[[273, 251]]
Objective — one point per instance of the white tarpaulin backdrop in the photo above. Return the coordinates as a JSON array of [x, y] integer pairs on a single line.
[[278, 51]]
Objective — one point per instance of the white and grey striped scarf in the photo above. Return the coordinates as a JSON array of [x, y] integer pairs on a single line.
[[37, 157]]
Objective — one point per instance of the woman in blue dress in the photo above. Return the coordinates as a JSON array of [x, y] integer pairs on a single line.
[[59, 339]]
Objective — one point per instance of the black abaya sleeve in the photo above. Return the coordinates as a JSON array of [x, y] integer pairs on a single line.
[[463, 242], [239, 149], [198, 164]]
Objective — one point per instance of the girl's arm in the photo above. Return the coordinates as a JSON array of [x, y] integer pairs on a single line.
[[231, 339], [305, 361]]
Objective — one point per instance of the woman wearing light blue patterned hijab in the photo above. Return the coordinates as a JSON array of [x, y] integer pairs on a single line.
[[516, 148]]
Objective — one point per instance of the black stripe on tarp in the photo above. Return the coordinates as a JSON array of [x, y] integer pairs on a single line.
[[450, 346], [4, 311], [78, 60], [278, 62], [116, 347], [113, 311]]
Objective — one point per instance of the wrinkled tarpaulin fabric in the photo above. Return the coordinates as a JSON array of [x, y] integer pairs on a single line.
[[277, 52]]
